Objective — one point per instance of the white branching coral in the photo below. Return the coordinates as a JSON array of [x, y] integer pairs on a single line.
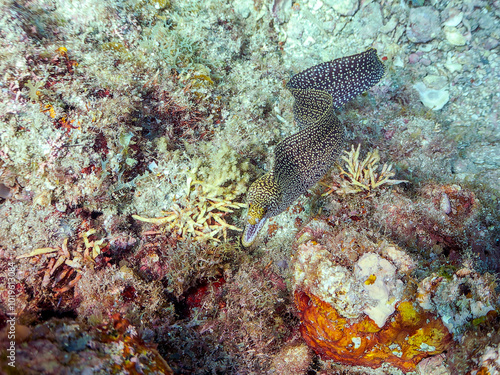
[[360, 176], [198, 215]]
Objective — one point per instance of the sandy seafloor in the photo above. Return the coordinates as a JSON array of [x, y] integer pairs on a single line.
[[171, 109]]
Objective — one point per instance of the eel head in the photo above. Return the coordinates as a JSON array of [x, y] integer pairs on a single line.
[[263, 201]]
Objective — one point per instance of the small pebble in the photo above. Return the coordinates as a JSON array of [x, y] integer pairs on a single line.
[[61, 207], [318, 5], [390, 25], [452, 66], [369, 21], [344, 7], [243, 8], [490, 43], [423, 24], [445, 204], [413, 58], [454, 37], [4, 191], [425, 61], [398, 61], [435, 82], [417, 3], [487, 21], [454, 18], [389, 134]]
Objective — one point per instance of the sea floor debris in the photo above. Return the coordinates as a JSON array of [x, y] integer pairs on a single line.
[[65, 264]]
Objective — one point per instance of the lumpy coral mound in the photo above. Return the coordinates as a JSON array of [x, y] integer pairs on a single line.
[[404, 341], [356, 309]]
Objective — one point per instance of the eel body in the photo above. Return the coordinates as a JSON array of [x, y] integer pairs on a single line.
[[302, 159]]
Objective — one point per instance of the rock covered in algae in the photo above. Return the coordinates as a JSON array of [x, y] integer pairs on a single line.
[[293, 359], [356, 308], [61, 346], [463, 297], [423, 24], [372, 288]]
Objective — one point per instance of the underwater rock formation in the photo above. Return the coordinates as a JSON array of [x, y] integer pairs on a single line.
[[407, 338], [357, 309], [465, 296], [61, 346]]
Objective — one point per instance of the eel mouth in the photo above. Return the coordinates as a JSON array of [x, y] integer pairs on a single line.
[[251, 231]]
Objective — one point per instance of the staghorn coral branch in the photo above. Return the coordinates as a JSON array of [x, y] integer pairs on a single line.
[[362, 175], [201, 216]]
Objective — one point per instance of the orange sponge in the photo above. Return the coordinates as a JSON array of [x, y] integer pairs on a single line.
[[408, 336]]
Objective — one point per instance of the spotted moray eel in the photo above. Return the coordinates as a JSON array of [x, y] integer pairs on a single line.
[[302, 159]]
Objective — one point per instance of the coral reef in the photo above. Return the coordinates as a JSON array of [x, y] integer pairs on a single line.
[[161, 108], [363, 317], [62, 346]]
